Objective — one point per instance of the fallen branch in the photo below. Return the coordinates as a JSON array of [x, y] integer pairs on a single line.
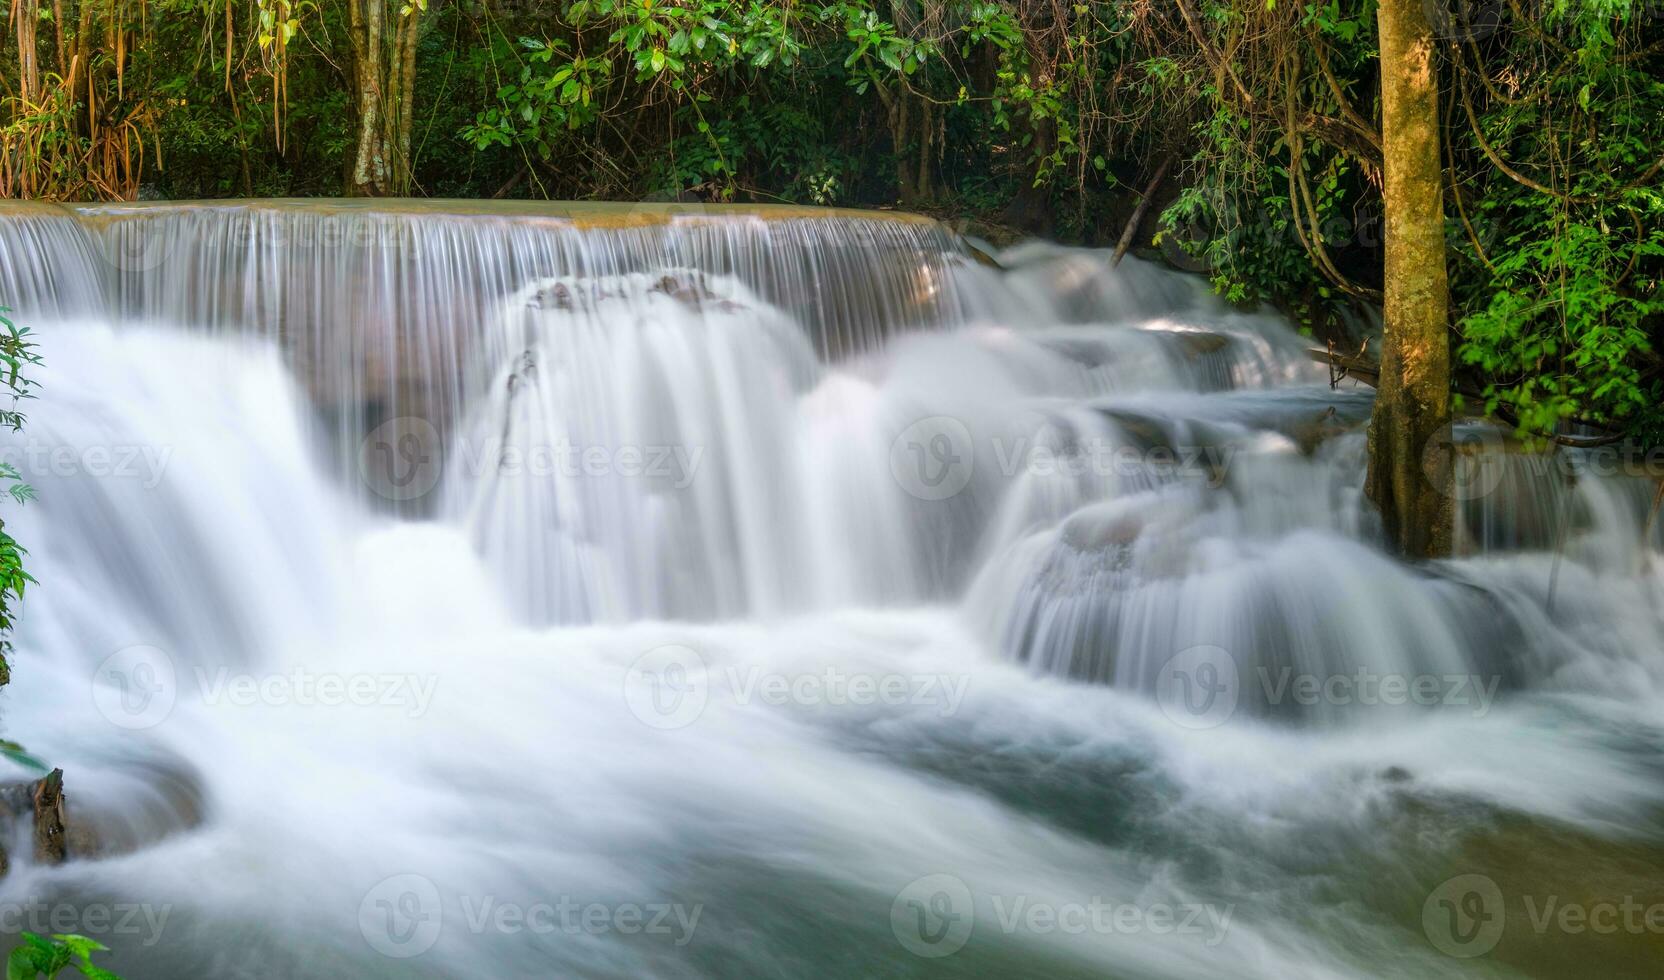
[[1131, 230]]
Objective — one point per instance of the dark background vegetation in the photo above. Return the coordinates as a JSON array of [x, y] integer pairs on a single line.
[[1251, 126]]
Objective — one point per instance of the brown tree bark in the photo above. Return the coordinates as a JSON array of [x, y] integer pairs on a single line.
[[25, 17], [1409, 432], [384, 77], [48, 798], [913, 135]]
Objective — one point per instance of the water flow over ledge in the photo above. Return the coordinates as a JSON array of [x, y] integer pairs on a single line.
[[575, 489]]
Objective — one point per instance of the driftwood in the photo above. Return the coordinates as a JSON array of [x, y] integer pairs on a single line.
[[42, 802], [48, 800]]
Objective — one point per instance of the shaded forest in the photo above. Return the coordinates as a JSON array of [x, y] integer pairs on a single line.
[[1241, 138]]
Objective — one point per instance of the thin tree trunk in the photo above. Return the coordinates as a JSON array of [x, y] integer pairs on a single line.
[[407, 103], [384, 76], [369, 172], [25, 15], [1130, 232], [1410, 455]]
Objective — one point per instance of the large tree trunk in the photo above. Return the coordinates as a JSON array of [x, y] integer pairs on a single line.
[[1409, 433], [913, 133], [384, 75]]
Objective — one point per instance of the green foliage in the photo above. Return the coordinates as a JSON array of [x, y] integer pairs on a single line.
[[1554, 123], [1558, 284], [39, 956], [17, 352], [754, 96], [1050, 116], [18, 754]]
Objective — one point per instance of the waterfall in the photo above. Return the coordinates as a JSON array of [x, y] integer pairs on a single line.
[[491, 458]]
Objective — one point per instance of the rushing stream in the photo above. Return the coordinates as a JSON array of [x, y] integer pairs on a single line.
[[502, 591]]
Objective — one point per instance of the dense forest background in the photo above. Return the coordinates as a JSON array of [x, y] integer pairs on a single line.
[[1239, 137]]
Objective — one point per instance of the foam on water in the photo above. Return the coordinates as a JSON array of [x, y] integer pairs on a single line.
[[912, 608]]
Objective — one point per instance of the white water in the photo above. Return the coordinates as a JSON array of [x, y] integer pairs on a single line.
[[608, 527]]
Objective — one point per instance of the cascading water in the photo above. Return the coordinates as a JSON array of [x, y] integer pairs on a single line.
[[524, 590]]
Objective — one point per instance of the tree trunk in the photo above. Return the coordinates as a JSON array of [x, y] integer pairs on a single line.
[[1410, 455], [384, 75], [26, 15], [913, 135]]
